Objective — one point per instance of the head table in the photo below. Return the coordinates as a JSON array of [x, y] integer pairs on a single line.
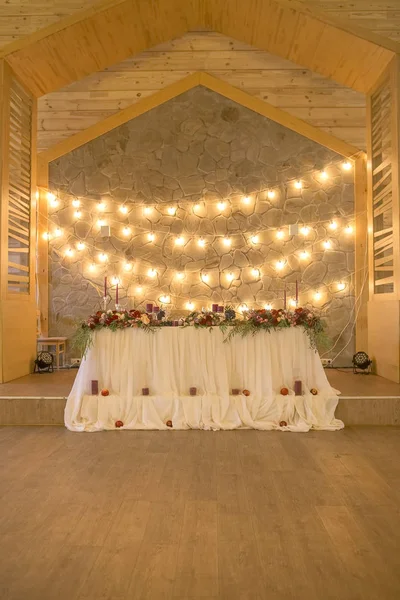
[[171, 361]]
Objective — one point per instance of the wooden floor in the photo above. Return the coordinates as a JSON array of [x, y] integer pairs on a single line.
[[191, 514], [59, 384]]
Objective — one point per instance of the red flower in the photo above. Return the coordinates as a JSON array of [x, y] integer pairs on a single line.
[[135, 314]]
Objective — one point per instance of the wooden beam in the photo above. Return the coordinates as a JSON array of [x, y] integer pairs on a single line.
[[43, 247], [361, 252], [116, 29]]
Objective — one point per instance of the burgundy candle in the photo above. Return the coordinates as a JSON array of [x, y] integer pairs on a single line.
[[220, 309], [145, 391], [214, 307], [149, 308], [193, 391], [284, 298], [95, 387], [105, 287], [297, 293], [175, 323], [116, 294], [156, 309], [235, 392], [298, 388]]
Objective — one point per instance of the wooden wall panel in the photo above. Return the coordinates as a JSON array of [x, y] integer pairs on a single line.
[[315, 99]]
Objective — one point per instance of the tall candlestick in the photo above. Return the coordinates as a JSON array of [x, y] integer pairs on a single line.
[[297, 293], [284, 298], [105, 287], [116, 295]]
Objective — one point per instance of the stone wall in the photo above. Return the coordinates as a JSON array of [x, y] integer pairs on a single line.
[[192, 152]]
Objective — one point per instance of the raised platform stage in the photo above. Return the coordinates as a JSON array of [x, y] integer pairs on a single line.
[[39, 399]]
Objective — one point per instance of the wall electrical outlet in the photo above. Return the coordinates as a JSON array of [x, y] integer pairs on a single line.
[[327, 362], [75, 362]]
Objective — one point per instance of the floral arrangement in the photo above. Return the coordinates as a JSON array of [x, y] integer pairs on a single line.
[[249, 323]]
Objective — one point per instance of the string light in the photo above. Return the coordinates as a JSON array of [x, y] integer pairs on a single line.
[[304, 254], [196, 206], [279, 234], [268, 306], [190, 305], [151, 237], [221, 205], [298, 184], [69, 252], [179, 241], [126, 231], [101, 206], [324, 175], [305, 230], [76, 203], [139, 290], [255, 272], [50, 196], [77, 214], [205, 277], [80, 246], [171, 210], [58, 232], [180, 275], [147, 210], [115, 280], [348, 229], [128, 266], [246, 200], [341, 286], [279, 265], [292, 302], [54, 202], [227, 241], [123, 209], [243, 308], [103, 257], [46, 235], [317, 296], [92, 267], [101, 222], [165, 299], [151, 272], [201, 242], [271, 194], [230, 276], [327, 244], [254, 239], [346, 166], [333, 225]]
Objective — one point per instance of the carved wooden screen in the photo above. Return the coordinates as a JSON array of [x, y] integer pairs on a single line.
[[382, 188], [19, 189]]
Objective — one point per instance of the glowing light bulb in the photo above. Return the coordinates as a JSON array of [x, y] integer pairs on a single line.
[[255, 272], [304, 254], [254, 239], [50, 196], [196, 206], [179, 241], [46, 235], [298, 184], [101, 222], [317, 296], [126, 231], [305, 230], [243, 308], [246, 200], [103, 257], [221, 205], [327, 244], [76, 203], [227, 241], [101, 206], [205, 277], [115, 280], [92, 267], [333, 225], [268, 306], [69, 252], [54, 203], [341, 286], [230, 276], [271, 194], [171, 210], [323, 175], [201, 242], [123, 209], [348, 229], [180, 275], [280, 264], [279, 234], [346, 166], [80, 246], [292, 302], [139, 289], [151, 236], [190, 305], [165, 299], [151, 272], [147, 210], [58, 232], [77, 214], [128, 266]]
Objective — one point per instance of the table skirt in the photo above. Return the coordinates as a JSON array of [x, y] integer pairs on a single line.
[[172, 360]]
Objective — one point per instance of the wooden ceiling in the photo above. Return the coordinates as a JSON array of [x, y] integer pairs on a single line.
[[317, 100], [113, 30]]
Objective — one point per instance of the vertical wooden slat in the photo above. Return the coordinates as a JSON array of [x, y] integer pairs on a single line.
[[43, 247]]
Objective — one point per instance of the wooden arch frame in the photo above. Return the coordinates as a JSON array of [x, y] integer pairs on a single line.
[[261, 107]]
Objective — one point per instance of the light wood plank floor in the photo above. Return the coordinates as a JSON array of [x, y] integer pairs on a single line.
[[186, 515]]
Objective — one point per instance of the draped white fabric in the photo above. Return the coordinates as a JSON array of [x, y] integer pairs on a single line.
[[172, 360]]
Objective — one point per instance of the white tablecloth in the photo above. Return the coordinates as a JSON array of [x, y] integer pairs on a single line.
[[172, 360]]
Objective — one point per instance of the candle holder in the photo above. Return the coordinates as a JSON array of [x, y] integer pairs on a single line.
[[105, 303], [118, 307]]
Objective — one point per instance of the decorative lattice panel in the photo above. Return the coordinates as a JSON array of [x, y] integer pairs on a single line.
[[382, 188], [19, 189]]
